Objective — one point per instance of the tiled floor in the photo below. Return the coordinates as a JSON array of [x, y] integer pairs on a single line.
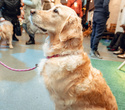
[[26, 90]]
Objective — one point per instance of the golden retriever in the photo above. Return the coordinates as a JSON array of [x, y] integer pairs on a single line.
[[6, 32], [67, 71]]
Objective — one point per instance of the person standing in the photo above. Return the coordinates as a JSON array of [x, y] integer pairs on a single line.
[[76, 5], [10, 10], [100, 17], [30, 28], [121, 51]]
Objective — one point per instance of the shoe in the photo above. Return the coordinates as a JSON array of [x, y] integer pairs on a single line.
[[121, 51], [15, 39], [112, 49], [95, 54], [121, 56], [30, 42]]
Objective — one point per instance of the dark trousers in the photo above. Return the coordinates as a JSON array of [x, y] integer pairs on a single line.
[[99, 24], [13, 20], [116, 41], [122, 44]]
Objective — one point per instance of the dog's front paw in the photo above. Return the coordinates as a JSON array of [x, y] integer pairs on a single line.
[[10, 46]]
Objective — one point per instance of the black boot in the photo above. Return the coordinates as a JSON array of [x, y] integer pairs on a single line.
[[14, 38], [31, 41]]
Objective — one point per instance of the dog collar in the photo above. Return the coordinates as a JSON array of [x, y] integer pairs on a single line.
[[57, 55]]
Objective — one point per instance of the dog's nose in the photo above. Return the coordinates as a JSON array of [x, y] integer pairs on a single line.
[[32, 11]]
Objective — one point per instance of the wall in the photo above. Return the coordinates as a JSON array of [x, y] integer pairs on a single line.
[[57, 2], [121, 18], [114, 8]]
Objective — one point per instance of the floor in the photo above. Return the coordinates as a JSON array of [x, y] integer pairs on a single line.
[[26, 90]]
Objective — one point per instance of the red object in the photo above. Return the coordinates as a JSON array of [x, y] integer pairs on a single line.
[[76, 7], [57, 55]]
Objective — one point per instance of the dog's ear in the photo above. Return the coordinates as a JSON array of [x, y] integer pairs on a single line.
[[71, 28]]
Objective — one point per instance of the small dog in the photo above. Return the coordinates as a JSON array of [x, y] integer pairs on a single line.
[[68, 74], [6, 32], [87, 32]]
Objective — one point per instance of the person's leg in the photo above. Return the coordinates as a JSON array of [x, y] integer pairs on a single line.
[[98, 34], [100, 19], [31, 36], [92, 38], [14, 34], [115, 38], [118, 42], [31, 40], [122, 46], [93, 34]]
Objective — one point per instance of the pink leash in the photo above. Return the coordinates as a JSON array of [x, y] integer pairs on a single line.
[[19, 70]]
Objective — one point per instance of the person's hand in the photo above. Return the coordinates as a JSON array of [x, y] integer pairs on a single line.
[[2, 19], [123, 26]]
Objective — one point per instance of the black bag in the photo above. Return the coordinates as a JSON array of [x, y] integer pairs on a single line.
[[18, 29]]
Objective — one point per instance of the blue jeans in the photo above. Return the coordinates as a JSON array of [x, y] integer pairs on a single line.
[[99, 24]]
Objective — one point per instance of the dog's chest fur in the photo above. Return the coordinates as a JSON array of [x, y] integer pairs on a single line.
[[58, 76]]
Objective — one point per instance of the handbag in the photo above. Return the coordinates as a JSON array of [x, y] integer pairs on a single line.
[[18, 29]]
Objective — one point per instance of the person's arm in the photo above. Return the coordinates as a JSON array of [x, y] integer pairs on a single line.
[[1, 5], [32, 3]]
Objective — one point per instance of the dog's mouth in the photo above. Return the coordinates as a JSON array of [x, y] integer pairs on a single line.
[[44, 30]]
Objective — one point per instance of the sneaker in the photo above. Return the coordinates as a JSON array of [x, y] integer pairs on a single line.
[[121, 56], [95, 54], [119, 52], [30, 42], [112, 49]]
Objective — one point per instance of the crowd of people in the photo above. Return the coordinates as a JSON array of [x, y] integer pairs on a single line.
[[12, 10]]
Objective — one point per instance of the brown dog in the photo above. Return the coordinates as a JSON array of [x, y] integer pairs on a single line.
[[87, 32], [6, 32], [68, 74]]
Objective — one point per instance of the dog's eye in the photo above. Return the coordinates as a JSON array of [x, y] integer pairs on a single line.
[[55, 11]]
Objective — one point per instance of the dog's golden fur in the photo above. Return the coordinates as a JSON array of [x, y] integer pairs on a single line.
[[6, 32], [70, 78]]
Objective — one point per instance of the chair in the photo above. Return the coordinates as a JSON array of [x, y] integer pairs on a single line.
[[121, 65]]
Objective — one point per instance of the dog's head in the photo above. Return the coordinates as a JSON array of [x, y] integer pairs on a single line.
[[61, 23]]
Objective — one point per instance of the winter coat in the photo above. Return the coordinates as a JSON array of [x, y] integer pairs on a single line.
[[28, 5], [10, 9], [77, 8]]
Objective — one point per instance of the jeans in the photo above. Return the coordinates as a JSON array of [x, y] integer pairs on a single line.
[[99, 24]]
